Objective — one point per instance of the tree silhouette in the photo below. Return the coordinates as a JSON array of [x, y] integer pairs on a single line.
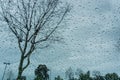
[[58, 78], [34, 24], [41, 72], [111, 76], [69, 73]]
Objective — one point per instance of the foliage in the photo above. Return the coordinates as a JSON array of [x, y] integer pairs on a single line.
[[112, 76], [41, 72], [58, 78], [85, 76]]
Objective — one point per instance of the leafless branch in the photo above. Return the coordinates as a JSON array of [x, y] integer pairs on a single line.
[[32, 22], [28, 62]]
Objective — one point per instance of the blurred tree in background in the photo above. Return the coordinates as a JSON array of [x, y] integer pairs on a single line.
[[41, 72], [58, 78], [112, 76]]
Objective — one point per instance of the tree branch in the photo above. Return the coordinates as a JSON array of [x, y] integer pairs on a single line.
[[67, 9], [32, 48], [28, 62], [20, 47]]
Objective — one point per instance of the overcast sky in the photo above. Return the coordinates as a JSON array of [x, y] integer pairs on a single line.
[[91, 37]]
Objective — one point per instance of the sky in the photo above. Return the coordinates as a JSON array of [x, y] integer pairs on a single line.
[[90, 41]]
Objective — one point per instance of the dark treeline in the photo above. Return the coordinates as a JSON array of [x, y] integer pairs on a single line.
[[86, 76], [41, 73], [95, 76]]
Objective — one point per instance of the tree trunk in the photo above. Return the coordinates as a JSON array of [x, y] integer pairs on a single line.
[[20, 69]]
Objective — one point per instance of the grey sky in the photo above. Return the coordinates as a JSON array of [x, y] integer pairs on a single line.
[[91, 37]]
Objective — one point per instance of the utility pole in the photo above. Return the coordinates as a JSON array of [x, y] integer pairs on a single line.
[[50, 74], [5, 69]]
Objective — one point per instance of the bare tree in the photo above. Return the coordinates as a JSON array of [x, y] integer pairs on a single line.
[[34, 23], [69, 73]]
